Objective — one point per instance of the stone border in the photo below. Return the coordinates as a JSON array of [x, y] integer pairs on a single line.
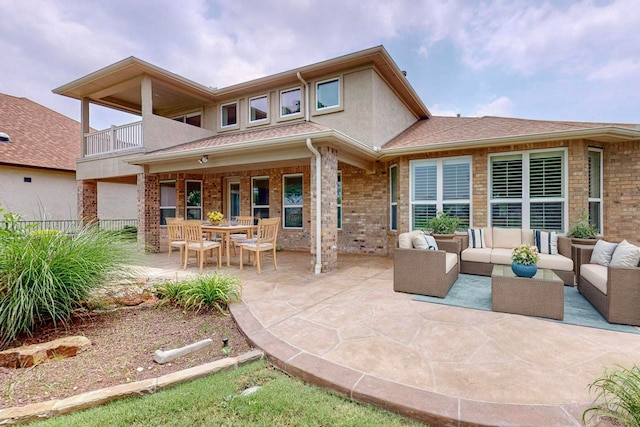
[[90, 399]]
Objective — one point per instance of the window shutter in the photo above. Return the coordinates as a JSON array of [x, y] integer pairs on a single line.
[[425, 182], [547, 215], [455, 181], [506, 178], [545, 176]]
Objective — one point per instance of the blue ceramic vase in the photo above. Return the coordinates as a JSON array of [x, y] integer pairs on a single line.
[[522, 270]]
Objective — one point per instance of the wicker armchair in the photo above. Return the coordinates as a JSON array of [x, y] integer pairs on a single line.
[[425, 272], [620, 303]]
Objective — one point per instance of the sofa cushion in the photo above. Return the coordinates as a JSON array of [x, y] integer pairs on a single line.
[[451, 261], [488, 237], [602, 253], [596, 275], [507, 238], [476, 238], [555, 262], [405, 240], [476, 255], [625, 255], [501, 256], [527, 237], [425, 242], [546, 242]]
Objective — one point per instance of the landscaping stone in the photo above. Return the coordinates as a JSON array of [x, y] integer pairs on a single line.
[[34, 354]]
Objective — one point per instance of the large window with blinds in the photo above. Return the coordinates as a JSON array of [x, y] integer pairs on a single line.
[[527, 190], [595, 188], [440, 185]]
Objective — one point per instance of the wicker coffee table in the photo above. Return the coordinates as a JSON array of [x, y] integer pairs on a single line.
[[541, 296]]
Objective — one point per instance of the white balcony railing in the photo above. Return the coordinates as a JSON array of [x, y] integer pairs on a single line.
[[113, 140]]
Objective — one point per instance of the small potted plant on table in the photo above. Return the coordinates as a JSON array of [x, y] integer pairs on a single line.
[[524, 259], [442, 226]]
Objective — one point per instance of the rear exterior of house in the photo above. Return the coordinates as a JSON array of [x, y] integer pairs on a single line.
[[347, 155]]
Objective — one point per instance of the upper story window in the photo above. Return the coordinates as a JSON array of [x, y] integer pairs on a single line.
[[258, 108], [290, 102], [328, 94], [193, 119], [229, 114]]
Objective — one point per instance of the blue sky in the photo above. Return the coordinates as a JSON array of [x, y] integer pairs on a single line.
[[547, 60]]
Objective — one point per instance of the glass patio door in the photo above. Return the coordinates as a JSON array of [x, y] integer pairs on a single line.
[[233, 205]]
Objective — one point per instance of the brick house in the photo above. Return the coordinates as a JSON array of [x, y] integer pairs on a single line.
[[38, 152], [348, 155]]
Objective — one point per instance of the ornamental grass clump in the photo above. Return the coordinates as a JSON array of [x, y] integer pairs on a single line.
[[618, 394], [525, 254], [44, 276], [207, 291]]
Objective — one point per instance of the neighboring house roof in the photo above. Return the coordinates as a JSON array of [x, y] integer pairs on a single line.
[[456, 132], [39, 136]]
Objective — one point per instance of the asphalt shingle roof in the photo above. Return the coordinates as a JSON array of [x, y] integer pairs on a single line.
[[440, 130], [40, 137]]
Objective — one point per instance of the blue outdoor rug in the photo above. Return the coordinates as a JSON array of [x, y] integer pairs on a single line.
[[472, 291]]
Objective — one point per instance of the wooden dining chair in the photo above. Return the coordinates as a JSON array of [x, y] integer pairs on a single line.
[[198, 244], [238, 237], [176, 235], [265, 241]]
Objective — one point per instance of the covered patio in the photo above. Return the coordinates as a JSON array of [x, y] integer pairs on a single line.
[[349, 331]]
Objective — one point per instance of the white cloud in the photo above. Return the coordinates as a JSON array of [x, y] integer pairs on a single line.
[[502, 107]]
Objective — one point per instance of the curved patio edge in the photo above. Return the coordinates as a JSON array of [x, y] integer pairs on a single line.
[[414, 403]]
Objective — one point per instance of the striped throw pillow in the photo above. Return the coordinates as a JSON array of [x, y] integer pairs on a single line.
[[476, 238], [546, 242]]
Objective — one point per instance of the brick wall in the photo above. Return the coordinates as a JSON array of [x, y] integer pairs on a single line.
[[149, 211], [622, 191], [88, 200]]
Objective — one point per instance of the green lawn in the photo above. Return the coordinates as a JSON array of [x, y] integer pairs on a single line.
[[216, 401]]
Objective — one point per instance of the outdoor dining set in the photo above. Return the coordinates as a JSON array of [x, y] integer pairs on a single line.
[[240, 234]]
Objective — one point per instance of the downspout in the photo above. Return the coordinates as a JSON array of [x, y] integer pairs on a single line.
[[316, 153]]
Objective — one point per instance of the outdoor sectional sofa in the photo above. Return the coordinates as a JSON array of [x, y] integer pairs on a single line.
[[613, 291], [498, 245]]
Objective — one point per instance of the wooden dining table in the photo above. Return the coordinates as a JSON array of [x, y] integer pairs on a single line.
[[226, 231]]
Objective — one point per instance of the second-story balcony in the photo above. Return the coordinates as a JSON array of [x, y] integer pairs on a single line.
[[113, 140]]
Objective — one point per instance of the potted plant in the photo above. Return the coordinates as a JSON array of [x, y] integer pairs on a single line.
[[442, 226], [583, 232], [524, 259]]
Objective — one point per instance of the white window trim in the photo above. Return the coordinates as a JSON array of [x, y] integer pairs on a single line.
[[254, 206], [266, 119], [440, 202], [526, 201], [391, 202], [290, 115], [237, 123], [285, 206], [599, 200], [174, 207], [332, 107], [187, 207]]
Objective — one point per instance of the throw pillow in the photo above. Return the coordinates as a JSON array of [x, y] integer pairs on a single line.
[[602, 253], [476, 238], [625, 255], [425, 242], [546, 242]]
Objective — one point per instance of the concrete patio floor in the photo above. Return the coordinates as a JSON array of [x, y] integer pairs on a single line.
[[349, 331]]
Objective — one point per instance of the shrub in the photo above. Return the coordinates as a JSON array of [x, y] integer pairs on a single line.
[[44, 276], [583, 229], [619, 392], [206, 291], [442, 223]]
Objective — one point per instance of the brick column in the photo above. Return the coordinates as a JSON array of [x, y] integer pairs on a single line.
[[88, 201], [328, 208], [149, 212]]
